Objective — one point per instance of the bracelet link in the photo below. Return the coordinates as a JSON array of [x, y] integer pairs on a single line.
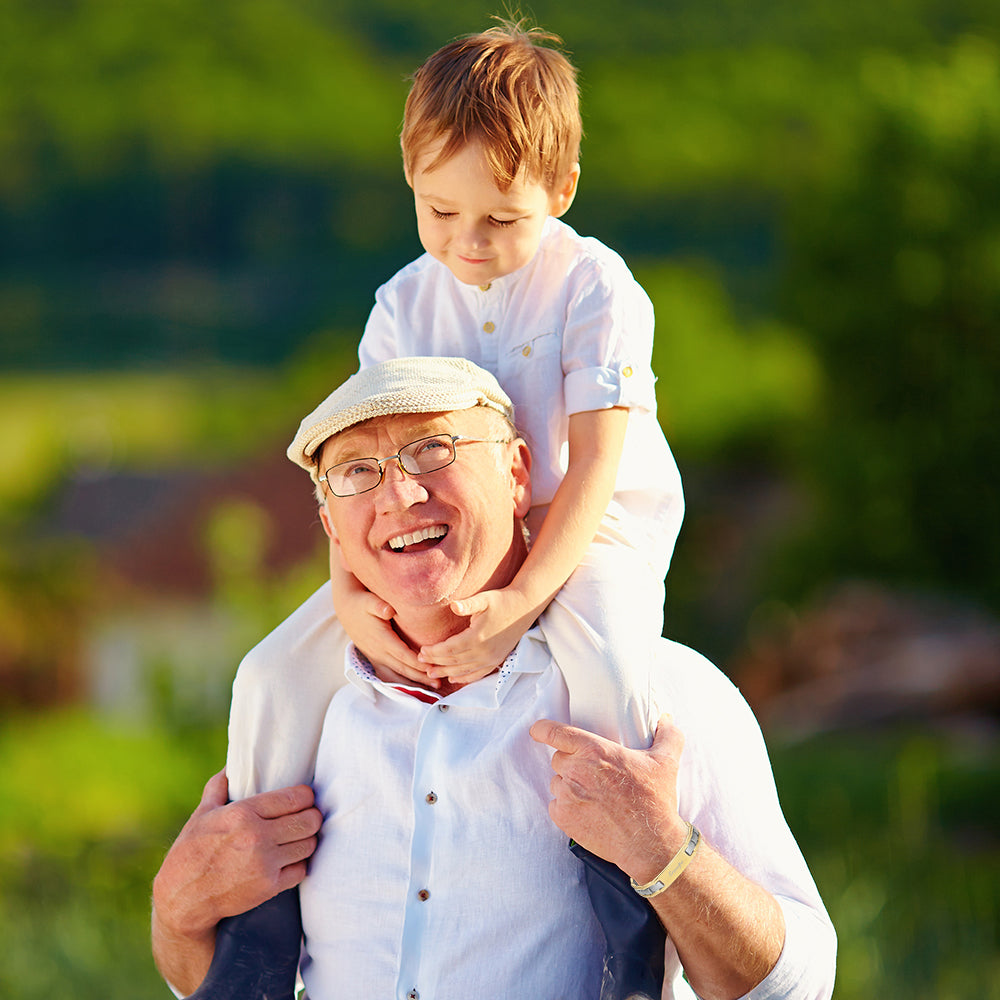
[[674, 867]]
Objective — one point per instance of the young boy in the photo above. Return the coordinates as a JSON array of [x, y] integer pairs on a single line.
[[490, 143]]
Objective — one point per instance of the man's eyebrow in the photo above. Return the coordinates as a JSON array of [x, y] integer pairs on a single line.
[[341, 451]]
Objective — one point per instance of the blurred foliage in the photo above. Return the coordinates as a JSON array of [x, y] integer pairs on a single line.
[[894, 269]]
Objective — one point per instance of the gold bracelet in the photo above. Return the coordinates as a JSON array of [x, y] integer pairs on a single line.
[[675, 866]]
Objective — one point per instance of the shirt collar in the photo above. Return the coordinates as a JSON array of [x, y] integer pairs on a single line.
[[488, 692]]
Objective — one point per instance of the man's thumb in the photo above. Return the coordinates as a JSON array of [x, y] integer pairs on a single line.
[[216, 792], [668, 740]]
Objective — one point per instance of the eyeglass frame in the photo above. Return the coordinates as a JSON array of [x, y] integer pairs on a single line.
[[381, 462]]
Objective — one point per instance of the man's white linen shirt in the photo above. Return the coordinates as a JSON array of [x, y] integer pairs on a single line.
[[571, 331], [439, 875]]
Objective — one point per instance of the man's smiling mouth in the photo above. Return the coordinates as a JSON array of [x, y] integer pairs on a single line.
[[432, 533]]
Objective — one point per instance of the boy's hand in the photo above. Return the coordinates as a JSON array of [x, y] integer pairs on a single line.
[[498, 619], [368, 621]]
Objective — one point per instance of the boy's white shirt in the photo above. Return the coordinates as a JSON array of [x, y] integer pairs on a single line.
[[571, 331]]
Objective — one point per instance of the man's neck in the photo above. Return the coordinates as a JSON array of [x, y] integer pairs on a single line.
[[424, 626]]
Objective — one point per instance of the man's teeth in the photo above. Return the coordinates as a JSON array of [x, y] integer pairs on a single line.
[[400, 542]]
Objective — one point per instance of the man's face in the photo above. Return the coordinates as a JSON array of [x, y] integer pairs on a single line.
[[476, 230], [458, 524]]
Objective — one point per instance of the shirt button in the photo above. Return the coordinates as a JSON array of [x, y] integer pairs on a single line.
[[413, 995], [443, 708], [526, 350], [431, 798], [486, 287], [423, 895], [627, 372], [488, 327]]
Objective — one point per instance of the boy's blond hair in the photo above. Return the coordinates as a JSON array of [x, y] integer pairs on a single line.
[[505, 89]]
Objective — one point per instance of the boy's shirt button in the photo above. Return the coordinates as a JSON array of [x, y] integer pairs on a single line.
[[526, 350], [488, 327]]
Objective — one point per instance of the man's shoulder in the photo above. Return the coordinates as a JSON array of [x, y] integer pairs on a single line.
[[688, 683]]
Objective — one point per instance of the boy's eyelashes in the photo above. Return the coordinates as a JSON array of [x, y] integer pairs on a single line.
[[493, 221]]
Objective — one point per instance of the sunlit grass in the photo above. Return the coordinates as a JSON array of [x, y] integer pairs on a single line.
[[902, 833]]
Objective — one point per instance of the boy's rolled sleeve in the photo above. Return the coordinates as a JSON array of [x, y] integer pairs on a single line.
[[632, 387]]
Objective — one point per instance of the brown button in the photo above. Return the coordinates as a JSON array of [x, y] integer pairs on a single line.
[[423, 895], [431, 798]]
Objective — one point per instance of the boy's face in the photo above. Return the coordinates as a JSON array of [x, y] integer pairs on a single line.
[[476, 230]]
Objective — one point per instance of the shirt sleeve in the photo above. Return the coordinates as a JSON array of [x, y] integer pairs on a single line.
[[608, 340], [726, 788], [379, 341]]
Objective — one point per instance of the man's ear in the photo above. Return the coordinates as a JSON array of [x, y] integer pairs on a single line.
[[562, 197], [324, 517], [521, 478], [336, 552]]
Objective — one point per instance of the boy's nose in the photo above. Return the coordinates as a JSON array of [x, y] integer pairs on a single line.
[[474, 237]]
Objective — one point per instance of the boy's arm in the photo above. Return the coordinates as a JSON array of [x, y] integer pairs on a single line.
[[501, 617]]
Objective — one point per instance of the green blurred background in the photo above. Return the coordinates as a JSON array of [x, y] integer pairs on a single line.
[[197, 202]]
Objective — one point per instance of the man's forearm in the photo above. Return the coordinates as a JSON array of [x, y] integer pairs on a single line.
[[728, 931], [183, 960]]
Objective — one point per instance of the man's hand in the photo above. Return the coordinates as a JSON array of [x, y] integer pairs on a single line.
[[618, 803], [228, 858]]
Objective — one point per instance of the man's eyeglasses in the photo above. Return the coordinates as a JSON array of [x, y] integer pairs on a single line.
[[348, 479]]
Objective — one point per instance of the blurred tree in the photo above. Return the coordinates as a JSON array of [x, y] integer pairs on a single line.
[[894, 269]]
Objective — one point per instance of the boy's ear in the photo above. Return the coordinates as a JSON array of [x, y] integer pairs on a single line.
[[562, 197]]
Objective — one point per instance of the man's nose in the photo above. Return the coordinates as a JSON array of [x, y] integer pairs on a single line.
[[397, 490]]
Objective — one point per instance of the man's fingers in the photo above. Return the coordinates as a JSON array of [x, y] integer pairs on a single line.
[[561, 736], [298, 851], [281, 801], [291, 875], [297, 827]]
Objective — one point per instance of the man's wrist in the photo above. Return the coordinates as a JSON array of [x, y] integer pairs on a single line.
[[653, 854], [674, 868]]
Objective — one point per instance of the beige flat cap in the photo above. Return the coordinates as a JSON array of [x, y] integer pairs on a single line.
[[402, 385]]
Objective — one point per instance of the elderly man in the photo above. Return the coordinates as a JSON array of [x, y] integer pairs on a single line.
[[441, 869]]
